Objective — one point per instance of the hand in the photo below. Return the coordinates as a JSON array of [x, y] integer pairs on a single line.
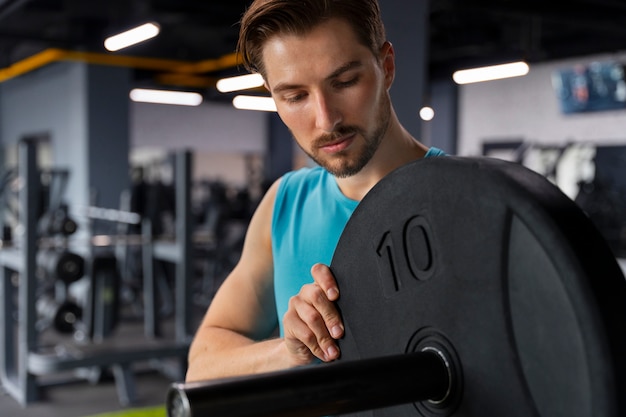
[[312, 322]]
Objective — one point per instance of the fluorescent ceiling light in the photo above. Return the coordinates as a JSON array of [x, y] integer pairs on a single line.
[[181, 98], [254, 103], [494, 72], [132, 37], [241, 82]]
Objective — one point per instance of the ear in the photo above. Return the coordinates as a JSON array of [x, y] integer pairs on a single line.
[[388, 62]]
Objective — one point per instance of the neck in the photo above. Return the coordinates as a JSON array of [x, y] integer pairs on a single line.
[[398, 147]]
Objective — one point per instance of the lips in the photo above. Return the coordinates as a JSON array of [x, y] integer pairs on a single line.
[[339, 144]]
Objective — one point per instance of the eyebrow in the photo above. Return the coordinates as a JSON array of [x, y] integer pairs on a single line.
[[344, 68]]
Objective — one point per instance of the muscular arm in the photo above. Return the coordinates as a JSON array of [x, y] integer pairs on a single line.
[[242, 312], [234, 337]]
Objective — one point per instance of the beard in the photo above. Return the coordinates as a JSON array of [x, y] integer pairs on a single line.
[[342, 164]]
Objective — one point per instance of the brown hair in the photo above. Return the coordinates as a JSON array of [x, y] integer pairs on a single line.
[[266, 18]]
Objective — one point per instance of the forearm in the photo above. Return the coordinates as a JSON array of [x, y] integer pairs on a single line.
[[218, 353]]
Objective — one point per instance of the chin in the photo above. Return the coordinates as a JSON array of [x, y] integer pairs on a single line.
[[343, 171]]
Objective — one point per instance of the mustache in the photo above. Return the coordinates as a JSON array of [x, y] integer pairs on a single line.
[[328, 138]]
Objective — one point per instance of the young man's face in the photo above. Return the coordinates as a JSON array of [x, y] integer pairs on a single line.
[[331, 92]]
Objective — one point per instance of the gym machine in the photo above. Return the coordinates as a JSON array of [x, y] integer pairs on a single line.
[[469, 287], [24, 358], [178, 251]]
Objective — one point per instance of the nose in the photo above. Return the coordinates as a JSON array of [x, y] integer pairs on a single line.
[[327, 116]]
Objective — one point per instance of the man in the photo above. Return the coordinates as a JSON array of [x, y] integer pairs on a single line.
[[329, 69]]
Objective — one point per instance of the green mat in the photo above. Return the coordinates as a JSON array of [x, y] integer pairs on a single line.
[[137, 412]]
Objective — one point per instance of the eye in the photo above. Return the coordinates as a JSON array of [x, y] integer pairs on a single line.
[[294, 98], [346, 84]]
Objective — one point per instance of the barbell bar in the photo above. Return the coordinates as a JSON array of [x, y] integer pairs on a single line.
[[328, 389]]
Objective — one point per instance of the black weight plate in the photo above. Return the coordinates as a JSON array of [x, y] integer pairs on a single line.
[[491, 261]]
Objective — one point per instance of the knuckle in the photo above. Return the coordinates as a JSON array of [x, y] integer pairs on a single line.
[[308, 338], [293, 301], [319, 297], [330, 315], [312, 318]]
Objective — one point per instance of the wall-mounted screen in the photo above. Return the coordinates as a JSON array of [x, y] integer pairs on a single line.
[[591, 87]]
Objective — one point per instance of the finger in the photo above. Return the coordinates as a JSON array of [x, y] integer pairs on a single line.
[[309, 326], [297, 335], [302, 341], [324, 307], [323, 277]]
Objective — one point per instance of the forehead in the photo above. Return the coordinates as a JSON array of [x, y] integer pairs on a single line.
[[320, 51]]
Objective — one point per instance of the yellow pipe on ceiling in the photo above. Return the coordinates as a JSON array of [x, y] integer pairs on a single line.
[[185, 80], [30, 64], [49, 56]]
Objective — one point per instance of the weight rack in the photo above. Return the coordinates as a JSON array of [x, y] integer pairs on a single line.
[[24, 359]]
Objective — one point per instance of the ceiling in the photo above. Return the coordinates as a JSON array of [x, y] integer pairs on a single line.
[[462, 33]]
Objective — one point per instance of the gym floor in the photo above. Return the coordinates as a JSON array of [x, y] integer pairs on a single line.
[[83, 399]]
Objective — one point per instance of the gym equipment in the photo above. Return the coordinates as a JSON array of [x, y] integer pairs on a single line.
[[23, 358], [65, 317], [469, 286], [315, 390], [103, 307], [55, 218], [63, 265], [178, 252], [57, 222]]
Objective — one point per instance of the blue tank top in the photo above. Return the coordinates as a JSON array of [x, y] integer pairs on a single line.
[[310, 213]]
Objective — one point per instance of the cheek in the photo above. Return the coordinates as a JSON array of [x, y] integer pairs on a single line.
[[366, 103], [297, 121], [292, 118], [372, 90]]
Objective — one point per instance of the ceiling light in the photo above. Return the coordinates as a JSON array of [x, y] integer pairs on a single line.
[[132, 37], [254, 103], [427, 113], [494, 72], [241, 82], [181, 98]]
